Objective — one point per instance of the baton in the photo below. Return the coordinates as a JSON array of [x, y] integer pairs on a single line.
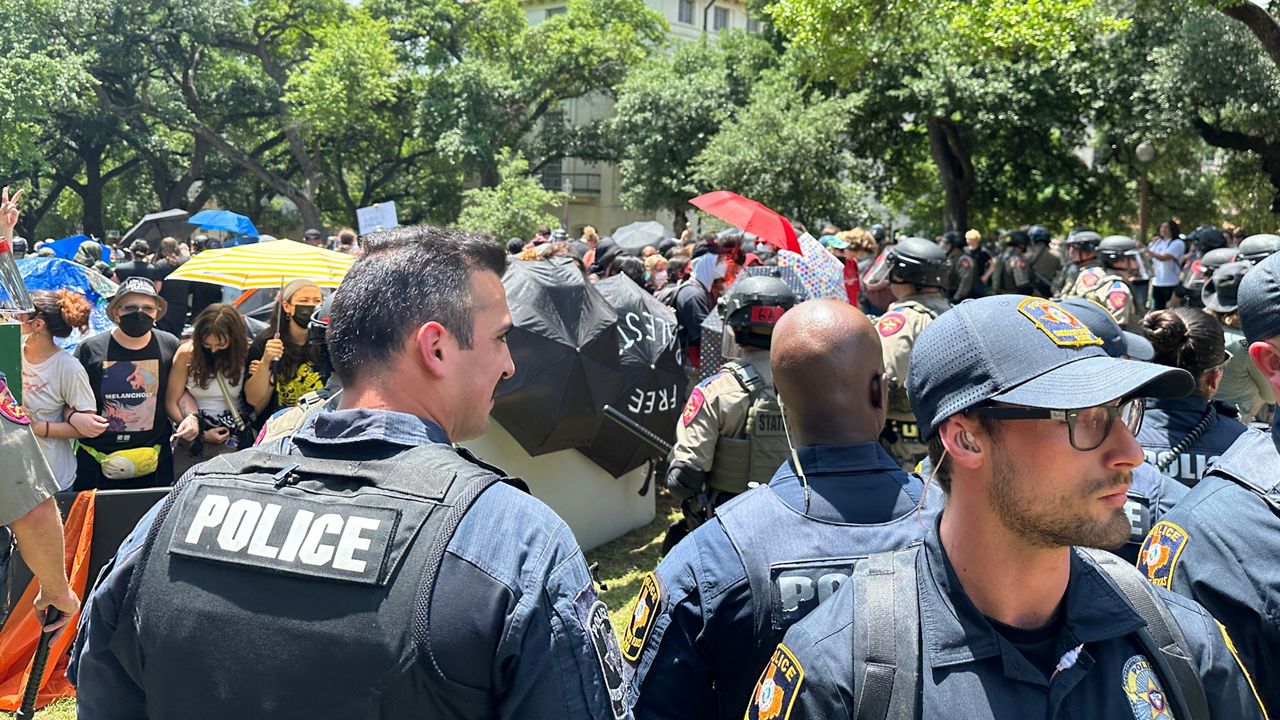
[[28, 708], [637, 429]]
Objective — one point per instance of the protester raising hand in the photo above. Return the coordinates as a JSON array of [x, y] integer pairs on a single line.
[[8, 212]]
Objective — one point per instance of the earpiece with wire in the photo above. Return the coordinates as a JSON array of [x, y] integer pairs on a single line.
[[795, 457]]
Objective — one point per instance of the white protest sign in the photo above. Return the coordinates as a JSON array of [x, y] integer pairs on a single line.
[[379, 216]]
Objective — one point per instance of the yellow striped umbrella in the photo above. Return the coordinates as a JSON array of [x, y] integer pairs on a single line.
[[265, 265]]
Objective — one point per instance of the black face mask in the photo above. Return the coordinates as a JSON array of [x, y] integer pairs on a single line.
[[136, 324], [302, 315]]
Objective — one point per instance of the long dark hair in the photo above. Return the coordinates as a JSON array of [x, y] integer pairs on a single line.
[[294, 355], [218, 321]]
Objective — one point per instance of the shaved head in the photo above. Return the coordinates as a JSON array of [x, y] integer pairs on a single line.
[[828, 370]]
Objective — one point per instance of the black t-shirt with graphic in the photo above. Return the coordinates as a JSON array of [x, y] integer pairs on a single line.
[[287, 388], [129, 386]]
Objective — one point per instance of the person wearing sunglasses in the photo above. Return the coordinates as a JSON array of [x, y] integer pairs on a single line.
[[1220, 544], [1003, 611], [128, 369]]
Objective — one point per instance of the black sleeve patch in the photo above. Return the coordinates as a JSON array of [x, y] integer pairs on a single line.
[[796, 589], [594, 617], [333, 538]]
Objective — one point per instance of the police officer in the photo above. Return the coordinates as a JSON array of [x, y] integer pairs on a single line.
[[1203, 240], [376, 570], [1013, 271], [1218, 545], [1199, 272], [1066, 277], [915, 269], [1257, 248], [730, 432], [706, 621], [1183, 436], [1243, 385], [1105, 264], [1002, 613], [962, 268], [27, 485], [1045, 266]]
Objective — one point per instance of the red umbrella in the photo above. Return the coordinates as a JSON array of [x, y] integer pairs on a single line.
[[751, 216]]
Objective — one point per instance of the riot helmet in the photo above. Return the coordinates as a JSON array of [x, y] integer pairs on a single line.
[[1207, 238], [1216, 258], [1017, 238], [912, 260], [952, 240], [316, 329], [754, 306], [1115, 248], [1039, 234], [19, 248], [1257, 248], [1084, 240], [879, 232]]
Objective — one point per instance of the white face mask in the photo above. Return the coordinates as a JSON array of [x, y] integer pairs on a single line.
[[722, 269], [660, 277]]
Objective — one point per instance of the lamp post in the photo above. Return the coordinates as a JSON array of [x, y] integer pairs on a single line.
[[566, 185], [1145, 153]]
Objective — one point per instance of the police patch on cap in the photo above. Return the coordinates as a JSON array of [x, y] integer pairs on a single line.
[[644, 614], [1160, 551], [594, 617], [9, 407], [1061, 326], [775, 693], [1146, 697], [891, 323]]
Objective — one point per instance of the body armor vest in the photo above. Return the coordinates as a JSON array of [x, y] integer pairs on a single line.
[[754, 452], [304, 582]]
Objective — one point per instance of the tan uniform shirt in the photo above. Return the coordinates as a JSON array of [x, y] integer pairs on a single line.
[[718, 406], [1111, 292], [898, 329], [25, 480]]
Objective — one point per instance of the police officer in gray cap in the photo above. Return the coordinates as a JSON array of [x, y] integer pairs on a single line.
[[1002, 612], [1221, 543], [1243, 384]]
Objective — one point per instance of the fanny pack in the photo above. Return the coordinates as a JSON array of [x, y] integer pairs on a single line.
[[126, 464]]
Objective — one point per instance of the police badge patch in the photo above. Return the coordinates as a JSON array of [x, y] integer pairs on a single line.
[[1146, 697], [1117, 298], [594, 617], [1089, 278], [643, 616], [9, 407], [775, 693], [692, 407], [1061, 326], [1160, 551], [891, 323]]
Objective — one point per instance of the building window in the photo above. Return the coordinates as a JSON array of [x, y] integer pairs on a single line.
[[753, 25], [552, 12], [686, 12], [720, 20]]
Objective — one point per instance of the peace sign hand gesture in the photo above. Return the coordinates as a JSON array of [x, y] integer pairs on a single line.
[[8, 212]]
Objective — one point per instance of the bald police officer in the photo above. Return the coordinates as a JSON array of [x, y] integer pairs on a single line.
[[999, 614], [730, 432], [1220, 543], [707, 619], [375, 570], [1105, 264], [916, 270]]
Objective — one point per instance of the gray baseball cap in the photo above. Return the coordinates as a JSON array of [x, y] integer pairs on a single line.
[[1259, 300], [1024, 351]]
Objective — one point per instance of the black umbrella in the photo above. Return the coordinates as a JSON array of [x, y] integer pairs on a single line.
[[653, 382], [157, 226], [634, 238], [565, 346]]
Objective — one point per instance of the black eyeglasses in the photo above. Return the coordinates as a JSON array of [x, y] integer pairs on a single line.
[[1087, 427]]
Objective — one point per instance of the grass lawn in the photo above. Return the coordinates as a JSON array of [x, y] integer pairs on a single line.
[[623, 563]]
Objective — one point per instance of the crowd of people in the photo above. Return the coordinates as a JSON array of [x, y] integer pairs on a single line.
[[894, 502]]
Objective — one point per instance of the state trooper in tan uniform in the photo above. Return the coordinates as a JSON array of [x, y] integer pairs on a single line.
[[1105, 263], [1013, 274], [916, 270], [731, 431]]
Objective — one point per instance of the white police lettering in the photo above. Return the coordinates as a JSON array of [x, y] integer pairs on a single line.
[[644, 402], [249, 524], [634, 327], [795, 590]]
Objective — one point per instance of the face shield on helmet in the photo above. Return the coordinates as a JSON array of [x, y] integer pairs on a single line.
[[14, 298], [879, 272]]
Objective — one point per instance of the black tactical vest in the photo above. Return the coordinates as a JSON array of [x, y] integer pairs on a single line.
[[284, 586]]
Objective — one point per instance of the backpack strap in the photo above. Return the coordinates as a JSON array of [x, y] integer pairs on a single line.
[[886, 636], [1162, 637]]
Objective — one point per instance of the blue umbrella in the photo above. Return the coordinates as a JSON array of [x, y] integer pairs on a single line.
[[224, 220], [45, 273], [66, 247]]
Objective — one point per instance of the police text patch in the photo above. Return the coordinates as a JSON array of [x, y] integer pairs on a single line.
[[285, 533], [795, 589], [644, 614], [775, 693], [594, 617], [1061, 326], [1160, 551]]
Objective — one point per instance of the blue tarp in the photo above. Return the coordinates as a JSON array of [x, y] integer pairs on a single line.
[[66, 247], [55, 274]]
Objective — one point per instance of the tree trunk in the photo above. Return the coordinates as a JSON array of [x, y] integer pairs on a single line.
[[681, 220], [955, 170], [91, 192], [1260, 23], [1267, 151]]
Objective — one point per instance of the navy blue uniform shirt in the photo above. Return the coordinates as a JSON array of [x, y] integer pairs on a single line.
[[502, 613], [1168, 420], [694, 638], [1221, 547], [970, 671]]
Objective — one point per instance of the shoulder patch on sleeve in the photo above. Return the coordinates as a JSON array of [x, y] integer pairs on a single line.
[[9, 408], [594, 617], [1118, 297], [890, 323], [693, 407], [775, 693], [1089, 277], [1159, 555], [644, 614]]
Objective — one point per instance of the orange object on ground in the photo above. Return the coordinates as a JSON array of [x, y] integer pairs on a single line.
[[21, 631]]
